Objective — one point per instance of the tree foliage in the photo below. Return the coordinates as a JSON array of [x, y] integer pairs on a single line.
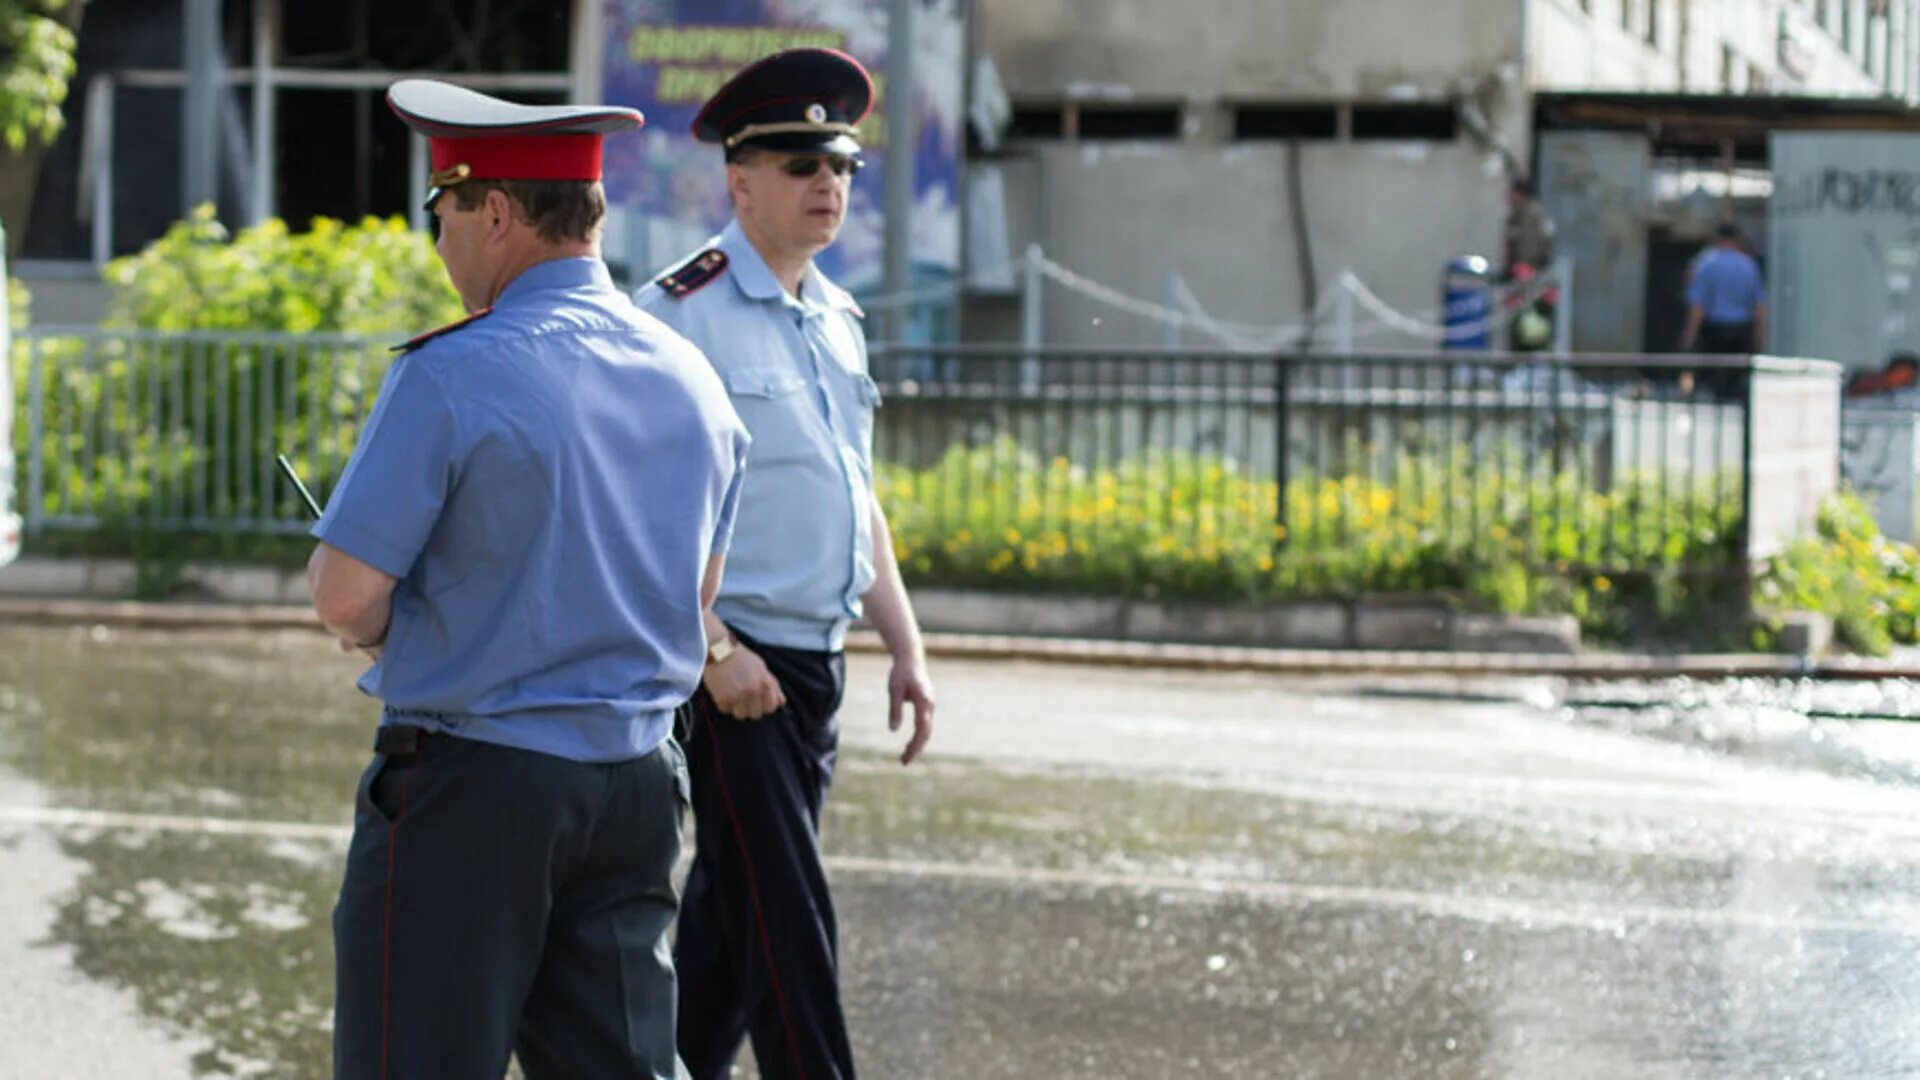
[[36, 62], [376, 278], [156, 430]]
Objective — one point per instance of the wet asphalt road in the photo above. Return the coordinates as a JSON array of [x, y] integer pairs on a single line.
[[1098, 873]]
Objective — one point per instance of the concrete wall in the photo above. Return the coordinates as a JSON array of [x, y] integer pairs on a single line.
[[1594, 186], [1591, 47], [1880, 460], [1572, 49], [1216, 211], [1842, 247], [1128, 215], [1250, 48], [1793, 438]]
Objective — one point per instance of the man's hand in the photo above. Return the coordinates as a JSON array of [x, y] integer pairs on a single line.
[[742, 687], [909, 682], [372, 652]]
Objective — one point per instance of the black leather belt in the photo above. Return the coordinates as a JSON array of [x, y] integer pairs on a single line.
[[400, 740]]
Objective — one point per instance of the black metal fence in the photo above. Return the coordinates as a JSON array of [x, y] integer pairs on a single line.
[[1144, 472], [1199, 473]]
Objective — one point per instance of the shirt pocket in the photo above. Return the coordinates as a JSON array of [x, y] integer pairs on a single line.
[[866, 393], [774, 407]]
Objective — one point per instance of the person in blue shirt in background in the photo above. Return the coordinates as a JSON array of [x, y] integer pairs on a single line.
[[758, 945], [525, 542], [1726, 302]]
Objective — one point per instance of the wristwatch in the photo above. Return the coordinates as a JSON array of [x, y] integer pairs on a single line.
[[720, 650]]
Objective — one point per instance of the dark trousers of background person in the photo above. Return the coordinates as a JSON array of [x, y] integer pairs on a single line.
[[1723, 339], [758, 949], [500, 901]]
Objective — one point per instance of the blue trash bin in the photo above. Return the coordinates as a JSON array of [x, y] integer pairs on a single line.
[[1466, 296]]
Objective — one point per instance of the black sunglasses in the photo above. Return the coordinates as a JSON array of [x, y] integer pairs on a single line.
[[802, 167]]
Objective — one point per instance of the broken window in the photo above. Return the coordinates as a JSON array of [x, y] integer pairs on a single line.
[[1130, 121], [1285, 121], [1032, 121], [336, 149], [1407, 121]]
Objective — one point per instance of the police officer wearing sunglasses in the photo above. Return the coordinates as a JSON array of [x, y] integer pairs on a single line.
[[757, 946]]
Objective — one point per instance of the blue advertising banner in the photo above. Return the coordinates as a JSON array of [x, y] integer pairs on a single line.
[[667, 193]]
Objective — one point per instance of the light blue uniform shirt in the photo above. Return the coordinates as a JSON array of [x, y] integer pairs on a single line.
[[1726, 286], [547, 483], [796, 369]]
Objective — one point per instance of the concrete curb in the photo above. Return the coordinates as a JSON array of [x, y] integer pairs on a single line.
[[1380, 624], [1091, 651], [1411, 634]]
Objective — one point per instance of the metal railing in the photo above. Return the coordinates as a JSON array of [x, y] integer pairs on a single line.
[[1358, 471], [1379, 470], [178, 431]]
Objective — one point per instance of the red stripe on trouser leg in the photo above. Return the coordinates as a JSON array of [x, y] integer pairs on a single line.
[[386, 934], [753, 895]]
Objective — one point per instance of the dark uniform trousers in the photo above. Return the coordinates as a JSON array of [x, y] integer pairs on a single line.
[[500, 900], [758, 948], [1732, 339]]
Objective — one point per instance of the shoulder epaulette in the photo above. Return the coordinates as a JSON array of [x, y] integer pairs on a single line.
[[694, 274], [442, 332]]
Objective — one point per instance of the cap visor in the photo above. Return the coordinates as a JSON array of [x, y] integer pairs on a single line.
[[802, 142]]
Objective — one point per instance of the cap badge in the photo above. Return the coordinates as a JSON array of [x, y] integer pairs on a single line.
[[816, 113]]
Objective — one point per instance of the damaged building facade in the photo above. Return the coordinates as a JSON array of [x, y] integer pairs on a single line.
[[1199, 174], [1230, 165]]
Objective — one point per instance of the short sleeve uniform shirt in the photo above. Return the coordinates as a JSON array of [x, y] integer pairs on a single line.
[[547, 483], [795, 368]]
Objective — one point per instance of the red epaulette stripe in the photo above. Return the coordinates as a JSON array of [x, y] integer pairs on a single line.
[[447, 329], [694, 274]]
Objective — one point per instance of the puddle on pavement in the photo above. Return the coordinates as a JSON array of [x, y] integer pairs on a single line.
[[990, 927]]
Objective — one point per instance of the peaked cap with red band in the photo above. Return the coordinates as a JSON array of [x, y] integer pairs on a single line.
[[476, 137], [799, 101]]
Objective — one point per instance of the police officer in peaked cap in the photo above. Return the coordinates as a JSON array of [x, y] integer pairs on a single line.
[[523, 542], [757, 949]]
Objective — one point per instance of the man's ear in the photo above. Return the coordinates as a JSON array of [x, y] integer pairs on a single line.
[[738, 187], [499, 211]]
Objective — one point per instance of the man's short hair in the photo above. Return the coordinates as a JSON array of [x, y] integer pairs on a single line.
[[561, 211]]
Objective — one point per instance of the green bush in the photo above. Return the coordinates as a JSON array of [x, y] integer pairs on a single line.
[[132, 430], [1849, 571], [1498, 535], [378, 278]]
